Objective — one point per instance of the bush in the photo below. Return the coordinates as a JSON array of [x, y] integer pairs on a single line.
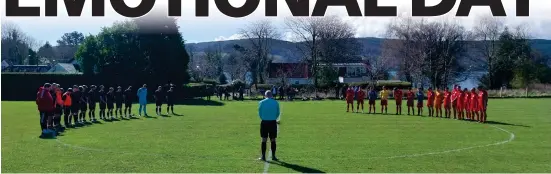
[[23, 86]]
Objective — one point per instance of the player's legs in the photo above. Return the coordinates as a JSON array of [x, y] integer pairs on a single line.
[[66, 116], [273, 135], [75, 114], [484, 115], [454, 107], [43, 124], [362, 103]]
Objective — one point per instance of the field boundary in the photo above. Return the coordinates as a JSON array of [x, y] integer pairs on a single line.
[[267, 164]]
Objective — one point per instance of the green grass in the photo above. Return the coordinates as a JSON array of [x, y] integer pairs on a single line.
[[314, 137]]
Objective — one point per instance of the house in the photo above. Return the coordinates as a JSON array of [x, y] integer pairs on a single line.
[[289, 73], [65, 68], [300, 73]]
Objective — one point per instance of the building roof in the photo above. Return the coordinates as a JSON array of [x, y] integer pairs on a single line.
[[5, 63], [64, 68]]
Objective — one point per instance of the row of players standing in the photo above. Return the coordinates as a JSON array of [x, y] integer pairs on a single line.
[[465, 104], [74, 103]]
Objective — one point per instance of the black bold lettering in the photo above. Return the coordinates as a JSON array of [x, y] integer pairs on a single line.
[[523, 7], [51, 7], [174, 7], [372, 8], [297, 7], [74, 7], [420, 9], [98, 8], [13, 9], [142, 9], [202, 8], [495, 6], [351, 6], [225, 7]]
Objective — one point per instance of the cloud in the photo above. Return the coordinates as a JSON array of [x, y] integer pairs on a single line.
[[232, 37]]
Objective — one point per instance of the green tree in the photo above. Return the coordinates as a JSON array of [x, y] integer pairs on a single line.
[[163, 47], [33, 58], [223, 79], [88, 54], [74, 38], [46, 51]]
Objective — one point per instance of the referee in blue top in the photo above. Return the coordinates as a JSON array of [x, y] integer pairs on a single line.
[[268, 110]]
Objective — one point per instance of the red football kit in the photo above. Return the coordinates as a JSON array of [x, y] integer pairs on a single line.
[[447, 99], [398, 97], [430, 101], [411, 98]]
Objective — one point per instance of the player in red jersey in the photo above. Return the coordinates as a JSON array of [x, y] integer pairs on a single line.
[[482, 103], [447, 103], [361, 97], [410, 100], [466, 104], [454, 96], [430, 102], [460, 104], [474, 105], [398, 95], [349, 99]]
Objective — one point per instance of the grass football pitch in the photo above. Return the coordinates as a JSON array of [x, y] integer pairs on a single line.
[[315, 137]]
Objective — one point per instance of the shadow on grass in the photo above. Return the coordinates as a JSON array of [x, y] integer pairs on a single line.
[[175, 114], [150, 117], [164, 115], [296, 167], [200, 102], [505, 124]]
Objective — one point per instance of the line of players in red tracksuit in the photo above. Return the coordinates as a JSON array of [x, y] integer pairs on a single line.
[[465, 104]]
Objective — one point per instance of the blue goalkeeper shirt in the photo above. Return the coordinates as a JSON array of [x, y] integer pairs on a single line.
[[268, 110]]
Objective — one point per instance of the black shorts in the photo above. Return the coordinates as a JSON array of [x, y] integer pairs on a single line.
[[128, 104], [67, 110], [159, 103], [58, 110], [110, 105], [118, 105], [268, 129], [83, 106], [92, 105], [102, 105], [170, 103], [75, 108]]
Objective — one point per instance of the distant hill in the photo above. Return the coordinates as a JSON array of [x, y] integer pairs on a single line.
[[285, 51]]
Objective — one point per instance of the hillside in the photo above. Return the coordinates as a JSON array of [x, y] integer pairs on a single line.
[[285, 51]]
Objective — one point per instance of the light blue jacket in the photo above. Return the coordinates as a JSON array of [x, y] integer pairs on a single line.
[[142, 95], [268, 110]]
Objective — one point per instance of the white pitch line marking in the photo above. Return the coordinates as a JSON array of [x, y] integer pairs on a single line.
[[511, 138], [267, 164]]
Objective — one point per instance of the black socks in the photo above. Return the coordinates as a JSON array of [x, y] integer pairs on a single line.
[[263, 150], [273, 143]]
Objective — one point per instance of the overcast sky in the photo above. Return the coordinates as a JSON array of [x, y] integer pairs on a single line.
[[220, 27]]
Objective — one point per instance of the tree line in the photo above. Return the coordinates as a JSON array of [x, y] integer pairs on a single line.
[[435, 53]]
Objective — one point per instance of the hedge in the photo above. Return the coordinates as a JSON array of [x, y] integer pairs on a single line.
[[23, 86]]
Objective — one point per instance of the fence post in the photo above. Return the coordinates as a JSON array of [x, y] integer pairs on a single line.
[[501, 92], [526, 92]]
